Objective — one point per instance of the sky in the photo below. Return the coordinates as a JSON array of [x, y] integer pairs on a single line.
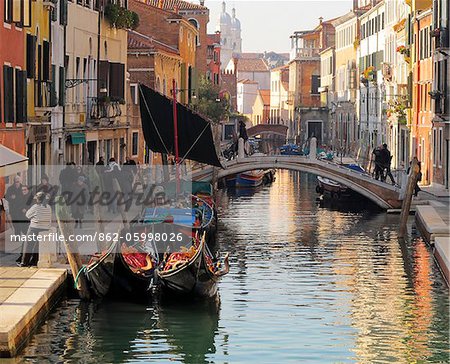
[[266, 25]]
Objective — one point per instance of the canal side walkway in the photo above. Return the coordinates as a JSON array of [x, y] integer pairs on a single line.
[[26, 296], [433, 222]]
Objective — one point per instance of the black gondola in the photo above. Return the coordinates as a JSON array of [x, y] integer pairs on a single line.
[[195, 276]]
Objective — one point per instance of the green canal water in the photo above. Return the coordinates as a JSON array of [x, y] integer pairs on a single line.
[[307, 284]]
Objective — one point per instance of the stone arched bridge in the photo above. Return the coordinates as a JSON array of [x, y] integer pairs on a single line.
[[262, 129], [384, 195]]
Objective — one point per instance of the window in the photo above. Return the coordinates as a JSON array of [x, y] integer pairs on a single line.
[[134, 143], [435, 150], [315, 84], [8, 11], [134, 93]]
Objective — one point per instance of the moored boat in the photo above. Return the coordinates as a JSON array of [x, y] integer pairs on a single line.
[[192, 272], [329, 187], [250, 179]]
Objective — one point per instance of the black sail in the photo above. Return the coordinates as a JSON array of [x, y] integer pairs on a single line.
[[195, 137]]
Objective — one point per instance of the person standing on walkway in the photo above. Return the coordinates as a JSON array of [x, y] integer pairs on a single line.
[[40, 215], [17, 203], [386, 158]]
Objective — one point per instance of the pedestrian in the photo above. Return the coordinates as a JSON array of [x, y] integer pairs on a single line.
[[21, 223], [40, 216], [418, 178], [66, 178], [385, 160], [79, 201], [378, 171], [18, 201], [112, 172]]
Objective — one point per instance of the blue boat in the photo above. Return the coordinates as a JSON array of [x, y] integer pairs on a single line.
[[290, 149]]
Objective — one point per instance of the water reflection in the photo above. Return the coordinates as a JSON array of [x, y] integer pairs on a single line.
[[307, 283]]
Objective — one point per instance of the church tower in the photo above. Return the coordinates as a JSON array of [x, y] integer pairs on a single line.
[[230, 36]]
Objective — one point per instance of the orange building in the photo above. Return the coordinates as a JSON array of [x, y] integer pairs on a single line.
[[13, 80], [422, 67]]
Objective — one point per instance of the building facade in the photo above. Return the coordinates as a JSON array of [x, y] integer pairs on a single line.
[[213, 59], [422, 114], [308, 117], [279, 94], [441, 93], [373, 122]]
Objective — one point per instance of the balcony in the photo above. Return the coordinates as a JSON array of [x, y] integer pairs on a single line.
[[306, 53], [104, 109], [44, 96]]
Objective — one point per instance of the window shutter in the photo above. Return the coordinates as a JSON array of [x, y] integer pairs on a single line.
[[103, 76], [8, 93], [46, 62], [31, 56], [116, 80], [53, 97], [19, 96], [62, 86], [63, 12]]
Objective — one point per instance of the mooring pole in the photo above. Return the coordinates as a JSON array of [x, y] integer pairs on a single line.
[[406, 205], [175, 132]]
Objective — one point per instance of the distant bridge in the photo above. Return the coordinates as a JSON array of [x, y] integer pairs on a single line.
[[262, 129], [383, 194]]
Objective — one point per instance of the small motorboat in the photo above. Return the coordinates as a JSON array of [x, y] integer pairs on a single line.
[[329, 187], [250, 179]]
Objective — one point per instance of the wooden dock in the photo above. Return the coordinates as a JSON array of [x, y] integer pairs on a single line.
[[26, 297]]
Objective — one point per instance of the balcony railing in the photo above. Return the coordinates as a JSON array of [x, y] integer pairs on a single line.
[[103, 109], [307, 52], [44, 94]]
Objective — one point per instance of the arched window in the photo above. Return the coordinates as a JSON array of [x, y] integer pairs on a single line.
[[195, 23]]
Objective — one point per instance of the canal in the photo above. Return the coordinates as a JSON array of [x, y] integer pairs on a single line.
[[307, 284]]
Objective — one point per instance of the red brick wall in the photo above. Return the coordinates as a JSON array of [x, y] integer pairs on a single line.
[[153, 22], [142, 61]]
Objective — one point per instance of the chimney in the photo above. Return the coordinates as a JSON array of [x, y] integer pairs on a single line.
[[355, 5], [202, 2], [160, 4], [320, 20]]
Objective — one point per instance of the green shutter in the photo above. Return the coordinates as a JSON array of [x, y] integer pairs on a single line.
[[62, 86], [53, 98], [410, 88], [8, 93], [63, 12]]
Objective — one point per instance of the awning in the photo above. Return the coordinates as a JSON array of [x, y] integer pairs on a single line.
[[77, 138], [11, 162]]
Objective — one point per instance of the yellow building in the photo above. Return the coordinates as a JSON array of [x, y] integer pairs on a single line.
[[39, 77]]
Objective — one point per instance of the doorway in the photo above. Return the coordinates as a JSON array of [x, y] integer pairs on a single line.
[[315, 130]]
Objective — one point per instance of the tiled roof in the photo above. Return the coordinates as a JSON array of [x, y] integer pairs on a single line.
[[252, 65], [172, 4], [141, 41], [146, 5], [265, 95]]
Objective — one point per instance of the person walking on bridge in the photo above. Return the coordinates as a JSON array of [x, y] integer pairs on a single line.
[[386, 158], [378, 171]]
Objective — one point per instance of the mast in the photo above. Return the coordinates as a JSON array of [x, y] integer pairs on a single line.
[[175, 132]]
